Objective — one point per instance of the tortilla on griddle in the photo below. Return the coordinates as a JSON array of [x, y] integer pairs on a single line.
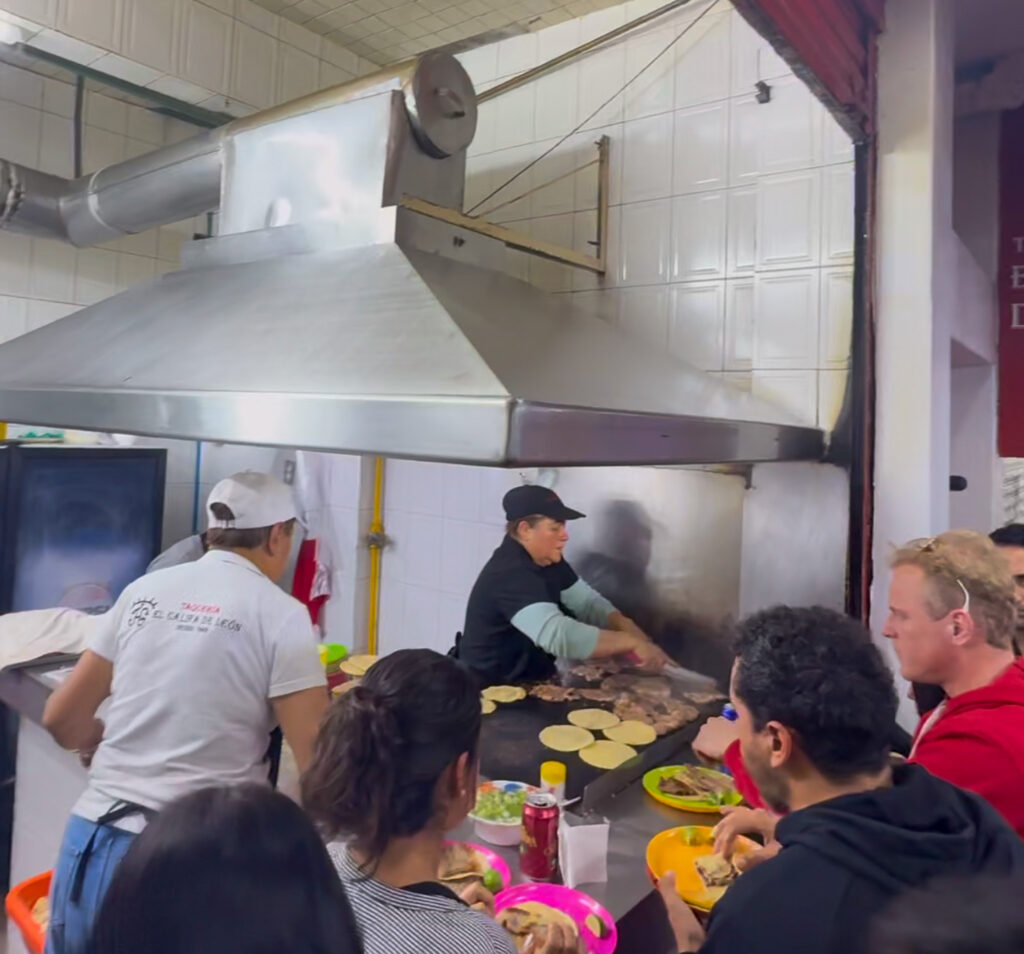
[[593, 718], [606, 754], [504, 693], [566, 738], [631, 733]]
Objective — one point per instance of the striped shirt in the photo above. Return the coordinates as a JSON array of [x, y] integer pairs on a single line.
[[396, 921]]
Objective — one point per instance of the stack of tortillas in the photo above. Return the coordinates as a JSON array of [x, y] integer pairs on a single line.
[[492, 695], [356, 665], [504, 693]]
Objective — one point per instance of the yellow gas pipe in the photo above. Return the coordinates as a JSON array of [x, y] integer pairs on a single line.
[[376, 540]]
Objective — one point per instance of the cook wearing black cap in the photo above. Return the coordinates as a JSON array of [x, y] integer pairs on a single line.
[[528, 606]]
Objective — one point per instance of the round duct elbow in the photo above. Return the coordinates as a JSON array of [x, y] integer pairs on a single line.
[[30, 201]]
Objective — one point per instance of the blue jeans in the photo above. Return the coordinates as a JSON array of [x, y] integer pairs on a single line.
[[71, 922]]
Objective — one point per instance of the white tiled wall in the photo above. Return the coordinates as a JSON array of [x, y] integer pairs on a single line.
[[443, 522], [227, 55], [731, 245], [42, 280], [732, 223]]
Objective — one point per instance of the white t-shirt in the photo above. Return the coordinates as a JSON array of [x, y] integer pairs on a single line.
[[198, 650]]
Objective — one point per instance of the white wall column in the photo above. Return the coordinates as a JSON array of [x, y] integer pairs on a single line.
[[972, 453], [914, 293]]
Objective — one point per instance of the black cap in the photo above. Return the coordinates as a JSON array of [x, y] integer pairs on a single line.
[[525, 501]]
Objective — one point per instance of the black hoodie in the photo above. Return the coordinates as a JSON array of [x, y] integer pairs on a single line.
[[845, 859]]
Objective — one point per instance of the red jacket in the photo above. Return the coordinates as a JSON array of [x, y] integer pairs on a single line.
[[977, 743]]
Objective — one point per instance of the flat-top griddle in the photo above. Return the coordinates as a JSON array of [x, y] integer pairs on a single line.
[[510, 748]]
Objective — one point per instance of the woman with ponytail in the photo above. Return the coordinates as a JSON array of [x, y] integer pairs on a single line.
[[394, 770]]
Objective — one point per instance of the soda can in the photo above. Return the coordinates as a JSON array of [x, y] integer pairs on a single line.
[[538, 843]]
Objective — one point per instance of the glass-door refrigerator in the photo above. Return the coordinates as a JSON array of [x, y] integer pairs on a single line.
[[77, 525]]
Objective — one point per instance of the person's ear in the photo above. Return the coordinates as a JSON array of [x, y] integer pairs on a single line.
[[780, 744], [961, 627], [278, 539], [464, 777], [456, 791]]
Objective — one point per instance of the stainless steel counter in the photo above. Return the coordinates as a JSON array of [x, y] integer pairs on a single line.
[[628, 894], [634, 818]]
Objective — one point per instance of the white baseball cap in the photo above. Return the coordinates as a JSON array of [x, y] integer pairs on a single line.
[[256, 500]]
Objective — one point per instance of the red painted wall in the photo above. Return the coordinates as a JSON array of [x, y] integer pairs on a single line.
[[1011, 285]]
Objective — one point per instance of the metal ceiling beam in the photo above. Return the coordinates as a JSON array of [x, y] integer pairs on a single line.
[[584, 48]]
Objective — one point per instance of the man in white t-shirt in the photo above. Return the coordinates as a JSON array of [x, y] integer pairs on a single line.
[[200, 662]]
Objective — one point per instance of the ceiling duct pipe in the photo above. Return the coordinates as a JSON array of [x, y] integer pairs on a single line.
[[184, 179]]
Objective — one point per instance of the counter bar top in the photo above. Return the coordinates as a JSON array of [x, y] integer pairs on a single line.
[[635, 817]]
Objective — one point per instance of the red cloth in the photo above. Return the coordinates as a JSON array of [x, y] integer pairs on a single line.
[[744, 783], [978, 744], [305, 576]]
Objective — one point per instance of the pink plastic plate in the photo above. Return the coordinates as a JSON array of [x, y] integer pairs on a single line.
[[491, 859], [574, 903]]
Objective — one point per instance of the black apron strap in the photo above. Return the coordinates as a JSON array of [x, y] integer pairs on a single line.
[[273, 756], [119, 811]]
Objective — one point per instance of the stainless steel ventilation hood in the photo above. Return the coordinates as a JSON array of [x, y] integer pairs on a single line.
[[329, 317]]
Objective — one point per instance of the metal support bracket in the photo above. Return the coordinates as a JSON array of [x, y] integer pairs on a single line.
[[527, 243]]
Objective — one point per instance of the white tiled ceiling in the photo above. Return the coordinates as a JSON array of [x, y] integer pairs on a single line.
[[384, 31]]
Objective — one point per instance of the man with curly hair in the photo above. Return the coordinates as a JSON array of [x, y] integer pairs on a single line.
[[952, 618], [814, 703]]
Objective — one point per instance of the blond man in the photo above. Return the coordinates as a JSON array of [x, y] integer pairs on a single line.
[[951, 618], [952, 615]]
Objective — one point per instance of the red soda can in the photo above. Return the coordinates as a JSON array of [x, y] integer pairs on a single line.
[[538, 842]]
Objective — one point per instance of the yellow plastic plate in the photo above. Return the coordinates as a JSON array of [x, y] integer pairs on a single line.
[[668, 851]]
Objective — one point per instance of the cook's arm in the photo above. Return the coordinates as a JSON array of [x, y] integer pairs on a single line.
[[70, 713], [299, 715], [589, 606], [569, 638], [586, 604]]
